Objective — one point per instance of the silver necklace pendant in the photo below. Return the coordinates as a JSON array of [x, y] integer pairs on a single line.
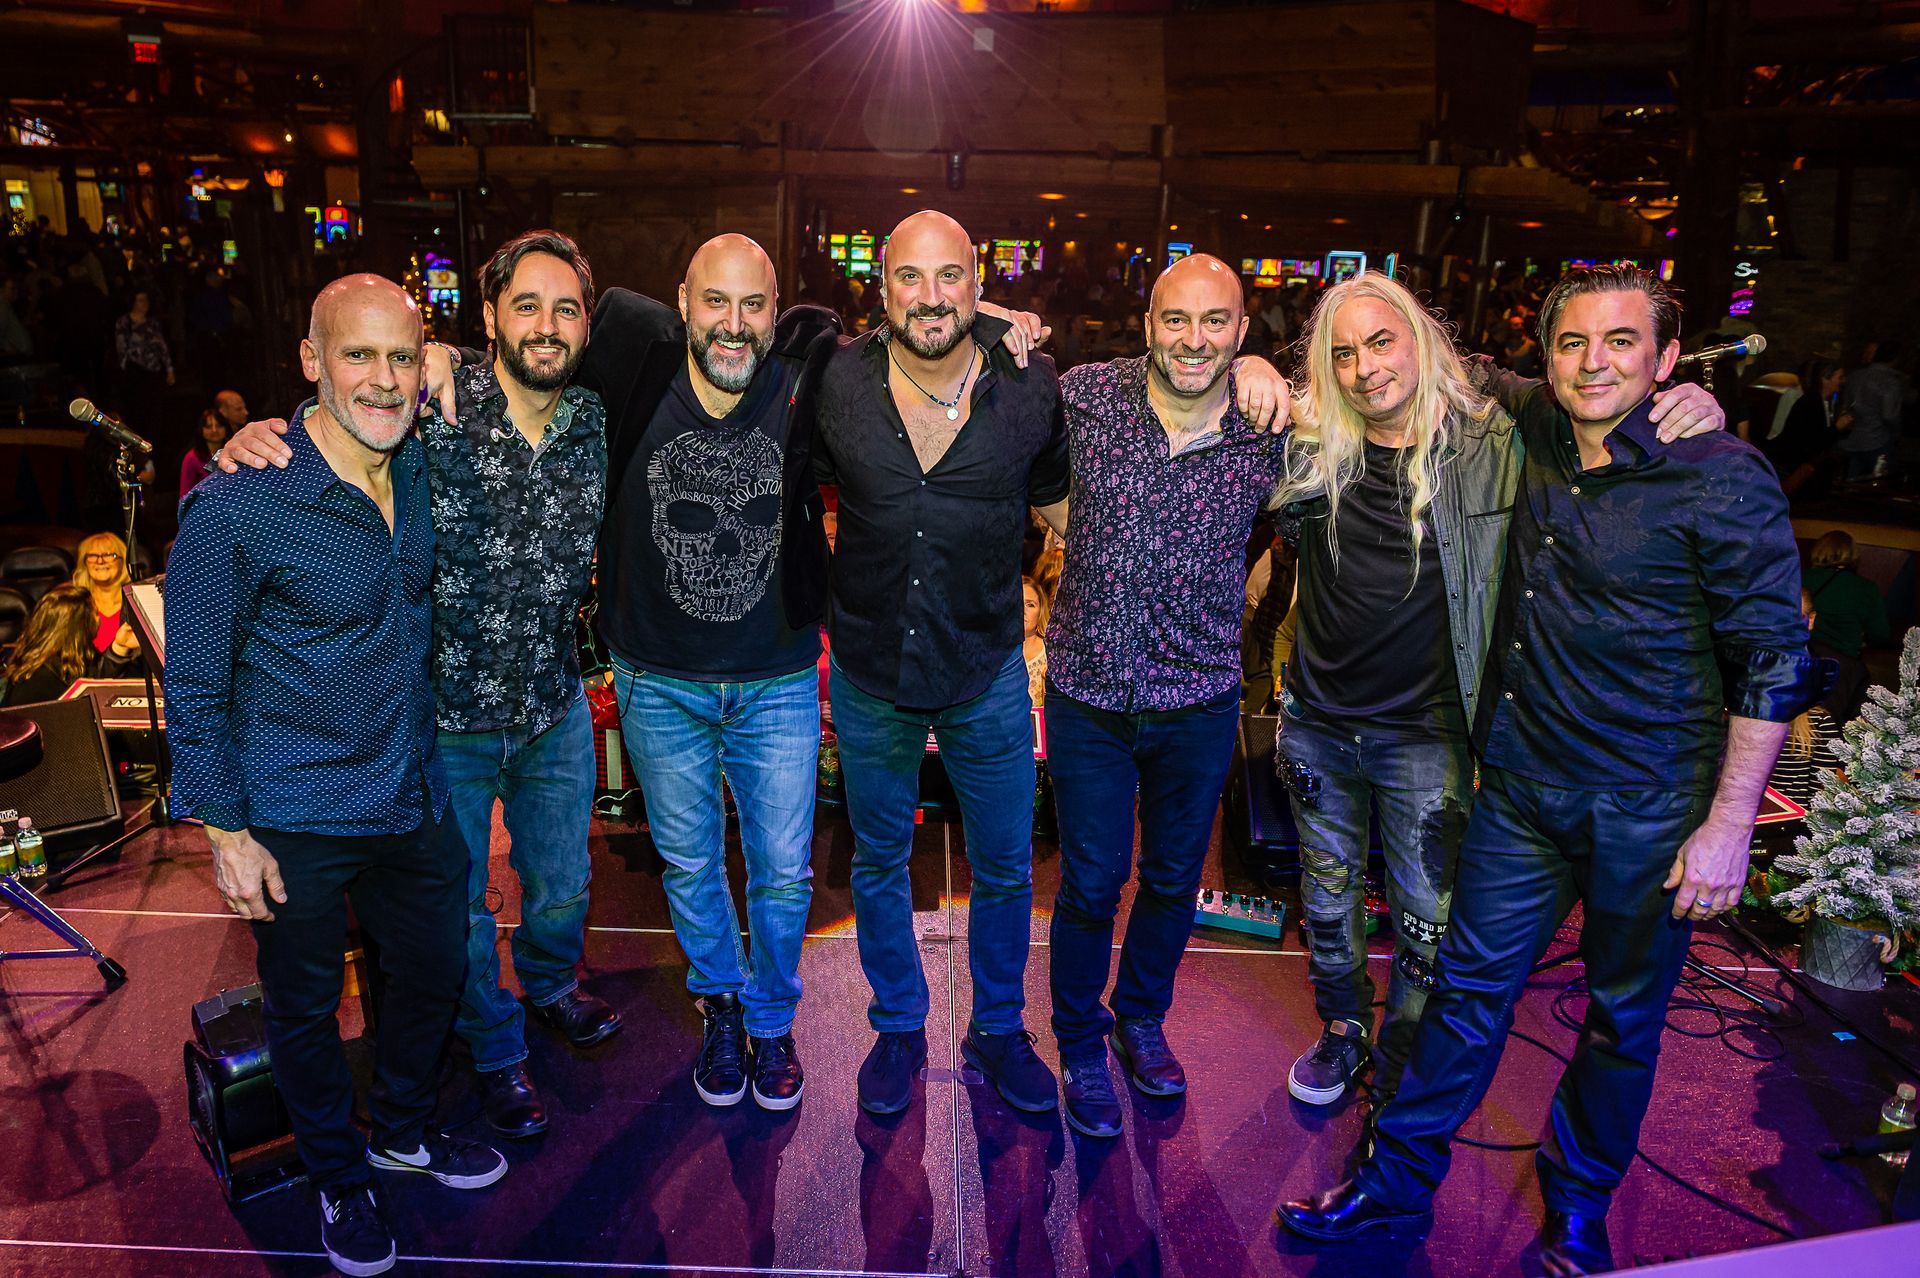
[[953, 414]]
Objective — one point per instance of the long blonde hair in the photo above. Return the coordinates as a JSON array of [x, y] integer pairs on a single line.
[[1326, 450]]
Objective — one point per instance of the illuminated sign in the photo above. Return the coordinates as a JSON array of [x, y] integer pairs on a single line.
[[1343, 264]]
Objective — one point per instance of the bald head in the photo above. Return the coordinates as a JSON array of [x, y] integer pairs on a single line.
[[729, 301], [1198, 275], [352, 296], [932, 283], [1196, 319], [363, 351]]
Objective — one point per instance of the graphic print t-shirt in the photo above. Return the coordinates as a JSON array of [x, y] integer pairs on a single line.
[[694, 590]]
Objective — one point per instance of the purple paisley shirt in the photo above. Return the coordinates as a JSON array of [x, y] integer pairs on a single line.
[[1148, 612]]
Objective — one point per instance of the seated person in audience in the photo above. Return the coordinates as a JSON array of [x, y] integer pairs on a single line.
[[1851, 613], [1033, 647], [57, 647], [101, 570], [1809, 748], [213, 437]]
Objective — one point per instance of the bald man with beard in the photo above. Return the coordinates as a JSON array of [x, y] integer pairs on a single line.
[[302, 728]]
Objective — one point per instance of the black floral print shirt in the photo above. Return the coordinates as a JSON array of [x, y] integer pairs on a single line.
[[516, 527]]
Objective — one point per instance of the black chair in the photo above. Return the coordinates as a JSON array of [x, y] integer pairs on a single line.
[[34, 570], [14, 607]]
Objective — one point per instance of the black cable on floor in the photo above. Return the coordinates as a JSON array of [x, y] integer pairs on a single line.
[[1806, 986]]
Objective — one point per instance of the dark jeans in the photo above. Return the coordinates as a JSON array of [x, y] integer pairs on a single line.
[[1421, 789], [987, 747], [408, 893], [1531, 851], [1176, 763], [544, 786]]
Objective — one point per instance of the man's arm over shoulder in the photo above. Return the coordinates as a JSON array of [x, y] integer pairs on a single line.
[[624, 324], [1050, 479], [1749, 572], [211, 595]]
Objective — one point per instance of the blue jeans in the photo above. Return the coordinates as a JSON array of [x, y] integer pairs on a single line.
[[1531, 851], [763, 737], [1422, 789], [1175, 762], [987, 747], [545, 786]]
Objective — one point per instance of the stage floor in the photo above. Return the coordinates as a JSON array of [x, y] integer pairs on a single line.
[[99, 1174]]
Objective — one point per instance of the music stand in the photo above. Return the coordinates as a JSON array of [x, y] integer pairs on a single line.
[[145, 612], [21, 751]]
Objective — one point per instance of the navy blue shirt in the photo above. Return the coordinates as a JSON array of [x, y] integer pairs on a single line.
[[1644, 601], [298, 694]]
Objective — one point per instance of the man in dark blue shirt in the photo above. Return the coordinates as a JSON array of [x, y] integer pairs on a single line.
[[302, 725], [1647, 656]]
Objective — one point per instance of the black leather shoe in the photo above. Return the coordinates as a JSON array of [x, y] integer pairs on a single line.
[[511, 1105], [1572, 1243], [1344, 1213], [777, 1078], [1141, 1045], [581, 1019], [1016, 1072], [886, 1076], [1092, 1107]]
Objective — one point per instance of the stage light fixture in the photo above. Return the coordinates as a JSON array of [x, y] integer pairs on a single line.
[[1052, 195]]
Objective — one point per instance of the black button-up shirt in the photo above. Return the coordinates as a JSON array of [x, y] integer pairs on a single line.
[[517, 526], [924, 602], [1644, 600], [297, 689]]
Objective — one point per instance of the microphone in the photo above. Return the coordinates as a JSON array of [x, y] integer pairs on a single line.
[[1753, 344], [83, 411]]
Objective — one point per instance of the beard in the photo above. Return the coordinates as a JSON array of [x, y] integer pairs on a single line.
[[342, 410], [551, 378], [732, 380], [1166, 364], [935, 348]]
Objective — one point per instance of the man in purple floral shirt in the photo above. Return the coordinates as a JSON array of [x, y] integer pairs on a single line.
[[1143, 656]]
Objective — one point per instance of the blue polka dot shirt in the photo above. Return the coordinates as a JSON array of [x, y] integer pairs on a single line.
[[298, 625]]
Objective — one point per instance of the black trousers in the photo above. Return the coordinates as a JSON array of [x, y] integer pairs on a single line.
[[409, 895], [1531, 851]]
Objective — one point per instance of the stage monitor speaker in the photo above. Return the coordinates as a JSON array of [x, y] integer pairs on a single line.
[[70, 794], [237, 1116]]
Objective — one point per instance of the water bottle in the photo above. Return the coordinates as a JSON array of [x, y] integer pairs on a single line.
[[1897, 1116], [31, 851], [9, 862]]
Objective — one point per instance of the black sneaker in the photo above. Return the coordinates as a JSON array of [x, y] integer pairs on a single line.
[[1141, 1045], [1321, 1075], [886, 1076], [458, 1164], [1092, 1107], [720, 1074], [777, 1077], [1008, 1060], [354, 1232]]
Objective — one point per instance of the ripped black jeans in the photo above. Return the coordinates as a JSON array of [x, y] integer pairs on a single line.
[[1421, 790]]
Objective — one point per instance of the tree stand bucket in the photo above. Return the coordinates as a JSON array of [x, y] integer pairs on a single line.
[[1843, 955]]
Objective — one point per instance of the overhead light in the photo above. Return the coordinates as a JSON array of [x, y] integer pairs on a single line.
[[1243, 217], [1336, 221], [1079, 214], [287, 135], [1174, 227], [909, 190], [1052, 195], [1530, 226]]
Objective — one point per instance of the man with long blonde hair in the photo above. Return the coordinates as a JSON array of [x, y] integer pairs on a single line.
[[1402, 476]]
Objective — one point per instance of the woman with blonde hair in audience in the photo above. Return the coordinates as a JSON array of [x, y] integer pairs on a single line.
[[1033, 647], [101, 569]]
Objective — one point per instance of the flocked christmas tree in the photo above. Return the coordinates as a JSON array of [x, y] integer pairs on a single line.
[[1862, 860]]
